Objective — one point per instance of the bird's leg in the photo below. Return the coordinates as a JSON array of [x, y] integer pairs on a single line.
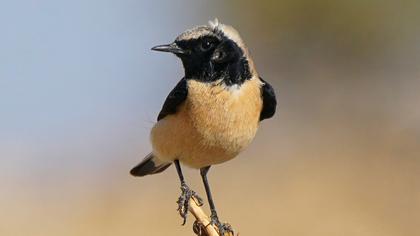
[[186, 195], [222, 227]]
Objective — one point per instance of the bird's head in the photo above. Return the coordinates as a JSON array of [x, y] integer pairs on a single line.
[[213, 52]]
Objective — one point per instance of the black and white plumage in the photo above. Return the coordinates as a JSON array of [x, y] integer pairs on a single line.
[[213, 113]]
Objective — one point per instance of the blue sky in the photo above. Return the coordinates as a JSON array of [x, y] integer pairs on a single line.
[[78, 79]]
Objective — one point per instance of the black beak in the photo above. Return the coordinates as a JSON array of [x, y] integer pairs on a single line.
[[169, 48]]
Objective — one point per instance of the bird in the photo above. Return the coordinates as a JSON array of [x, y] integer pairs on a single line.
[[214, 111]]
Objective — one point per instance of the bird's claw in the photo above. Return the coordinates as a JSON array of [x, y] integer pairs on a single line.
[[223, 228], [184, 201], [199, 229]]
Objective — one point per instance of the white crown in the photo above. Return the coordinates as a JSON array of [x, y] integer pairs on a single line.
[[214, 24]]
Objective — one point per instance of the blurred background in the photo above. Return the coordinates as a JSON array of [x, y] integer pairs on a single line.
[[80, 90]]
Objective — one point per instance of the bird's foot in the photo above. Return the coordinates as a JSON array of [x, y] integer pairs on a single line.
[[184, 201], [223, 228]]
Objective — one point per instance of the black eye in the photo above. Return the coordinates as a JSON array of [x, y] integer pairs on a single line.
[[206, 45]]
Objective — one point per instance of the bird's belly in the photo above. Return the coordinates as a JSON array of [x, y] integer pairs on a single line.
[[211, 127]]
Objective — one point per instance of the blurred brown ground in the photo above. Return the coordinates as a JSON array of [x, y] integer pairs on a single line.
[[341, 157]]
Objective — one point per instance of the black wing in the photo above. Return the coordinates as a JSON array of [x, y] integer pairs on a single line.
[[269, 101], [175, 98]]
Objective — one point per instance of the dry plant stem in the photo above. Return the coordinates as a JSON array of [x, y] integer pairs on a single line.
[[203, 219]]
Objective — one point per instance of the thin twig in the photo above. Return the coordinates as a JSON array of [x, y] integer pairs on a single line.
[[202, 226]]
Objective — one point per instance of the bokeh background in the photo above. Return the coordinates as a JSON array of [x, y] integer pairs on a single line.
[[80, 90]]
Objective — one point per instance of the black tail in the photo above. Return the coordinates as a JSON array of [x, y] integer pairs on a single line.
[[149, 166]]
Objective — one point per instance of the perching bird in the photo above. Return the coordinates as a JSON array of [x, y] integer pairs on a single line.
[[213, 113]]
